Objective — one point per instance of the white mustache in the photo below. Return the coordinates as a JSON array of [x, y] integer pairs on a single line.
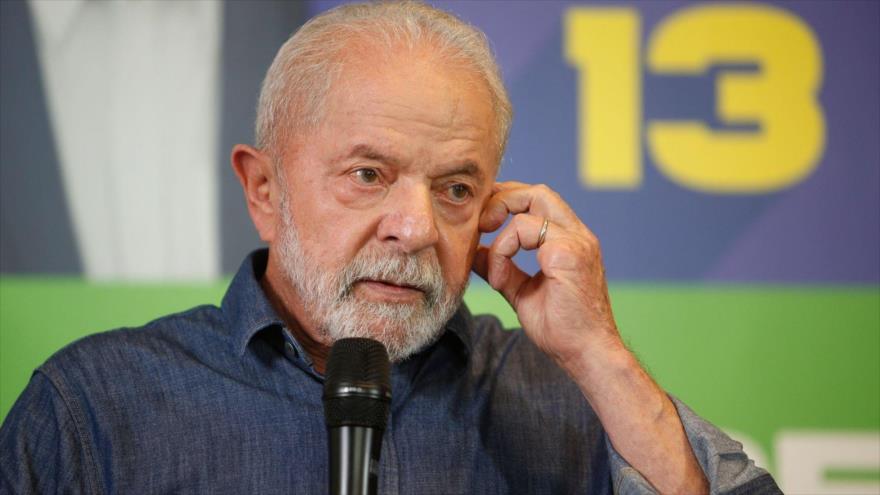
[[420, 272]]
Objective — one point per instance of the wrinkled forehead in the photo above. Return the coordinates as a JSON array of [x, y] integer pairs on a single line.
[[415, 82]]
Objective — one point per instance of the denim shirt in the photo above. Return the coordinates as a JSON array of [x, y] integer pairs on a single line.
[[224, 400]]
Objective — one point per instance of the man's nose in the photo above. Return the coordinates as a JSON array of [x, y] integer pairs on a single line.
[[409, 219]]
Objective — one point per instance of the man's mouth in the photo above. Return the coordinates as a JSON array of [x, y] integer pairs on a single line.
[[391, 289], [393, 284]]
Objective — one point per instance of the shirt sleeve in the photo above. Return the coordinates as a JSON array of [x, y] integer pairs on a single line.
[[40, 447], [726, 466]]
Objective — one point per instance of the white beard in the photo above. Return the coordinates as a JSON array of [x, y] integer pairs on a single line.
[[404, 328]]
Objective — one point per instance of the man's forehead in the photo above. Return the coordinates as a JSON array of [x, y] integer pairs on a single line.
[[403, 67], [404, 98]]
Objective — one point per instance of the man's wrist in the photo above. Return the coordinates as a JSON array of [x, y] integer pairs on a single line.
[[600, 363]]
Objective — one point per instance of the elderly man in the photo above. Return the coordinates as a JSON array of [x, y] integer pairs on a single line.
[[379, 135]]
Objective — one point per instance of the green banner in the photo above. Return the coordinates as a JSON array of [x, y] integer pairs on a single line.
[[785, 369]]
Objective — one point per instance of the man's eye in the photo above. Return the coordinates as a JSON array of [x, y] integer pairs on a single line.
[[459, 193], [366, 175]]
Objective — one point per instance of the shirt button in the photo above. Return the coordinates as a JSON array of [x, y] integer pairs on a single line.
[[289, 348]]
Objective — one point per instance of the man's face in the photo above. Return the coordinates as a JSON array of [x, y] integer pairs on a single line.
[[382, 201]]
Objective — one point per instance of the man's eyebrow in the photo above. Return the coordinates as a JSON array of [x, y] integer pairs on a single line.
[[467, 167], [371, 153]]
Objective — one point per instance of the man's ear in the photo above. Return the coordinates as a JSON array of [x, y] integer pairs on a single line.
[[256, 174]]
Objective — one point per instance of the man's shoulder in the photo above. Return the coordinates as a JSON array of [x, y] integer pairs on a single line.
[[509, 350], [135, 349], [488, 334], [487, 330]]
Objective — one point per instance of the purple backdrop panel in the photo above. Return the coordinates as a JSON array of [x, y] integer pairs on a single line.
[[824, 229]]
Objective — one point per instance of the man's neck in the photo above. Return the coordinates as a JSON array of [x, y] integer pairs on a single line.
[[289, 307]]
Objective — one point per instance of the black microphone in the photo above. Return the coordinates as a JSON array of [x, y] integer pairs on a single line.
[[357, 399]]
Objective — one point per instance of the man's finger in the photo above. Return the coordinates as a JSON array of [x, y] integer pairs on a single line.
[[523, 232], [508, 185], [497, 214], [507, 278], [537, 200]]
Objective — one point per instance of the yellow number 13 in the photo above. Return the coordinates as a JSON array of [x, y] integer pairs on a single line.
[[781, 98]]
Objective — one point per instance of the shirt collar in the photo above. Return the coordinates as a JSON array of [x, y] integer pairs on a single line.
[[245, 305], [248, 310], [460, 326]]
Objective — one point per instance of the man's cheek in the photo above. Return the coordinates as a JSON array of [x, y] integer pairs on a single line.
[[465, 260]]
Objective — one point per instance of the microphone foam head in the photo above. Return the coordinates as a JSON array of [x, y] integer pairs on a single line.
[[357, 384]]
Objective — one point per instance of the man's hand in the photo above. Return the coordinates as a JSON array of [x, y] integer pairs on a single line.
[[564, 308], [566, 312]]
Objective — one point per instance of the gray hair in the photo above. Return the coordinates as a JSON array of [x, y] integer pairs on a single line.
[[309, 61]]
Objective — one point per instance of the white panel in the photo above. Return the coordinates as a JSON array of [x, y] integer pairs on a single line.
[[803, 459], [133, 90]]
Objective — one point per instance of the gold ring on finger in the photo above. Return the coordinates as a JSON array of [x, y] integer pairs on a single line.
[[542, 235]]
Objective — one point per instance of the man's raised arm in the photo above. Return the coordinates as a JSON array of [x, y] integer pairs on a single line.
[[565, 310]]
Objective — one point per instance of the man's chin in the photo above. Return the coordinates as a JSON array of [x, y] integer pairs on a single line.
[[401, 339], [404, 328]]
